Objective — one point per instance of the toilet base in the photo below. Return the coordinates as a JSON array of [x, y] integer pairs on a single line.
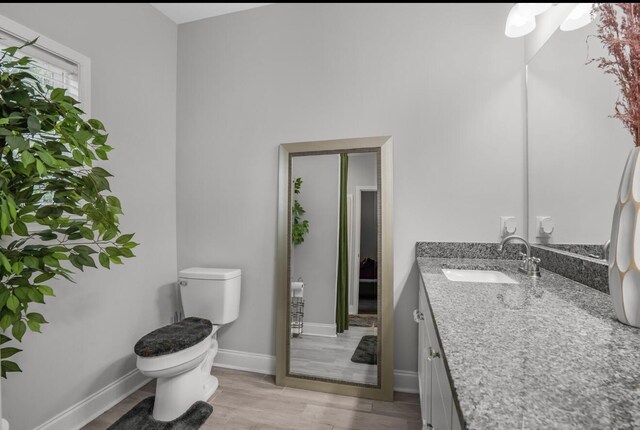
[[174, 395]]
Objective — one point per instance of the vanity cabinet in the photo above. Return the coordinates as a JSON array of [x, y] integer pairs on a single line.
[[436, 398]]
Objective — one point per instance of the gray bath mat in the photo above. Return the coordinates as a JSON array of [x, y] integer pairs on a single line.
[[139, 418], [363, 320], [367, 350]]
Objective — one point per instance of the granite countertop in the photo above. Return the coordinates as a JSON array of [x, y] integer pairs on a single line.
[[546, 353]]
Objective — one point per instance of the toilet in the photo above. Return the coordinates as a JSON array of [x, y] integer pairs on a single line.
[[180, 355]]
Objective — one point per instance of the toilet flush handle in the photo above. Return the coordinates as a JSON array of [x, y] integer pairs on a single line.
[[182, 283]]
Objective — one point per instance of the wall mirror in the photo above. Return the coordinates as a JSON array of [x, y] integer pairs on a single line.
[[335, 305], [576, 151]]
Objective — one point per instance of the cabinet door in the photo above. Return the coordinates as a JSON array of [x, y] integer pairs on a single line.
[[424, 365], [441, 396], [441, 399], [455, 421]]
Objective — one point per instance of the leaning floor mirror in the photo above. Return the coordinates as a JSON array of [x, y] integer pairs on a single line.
[[335, 267]]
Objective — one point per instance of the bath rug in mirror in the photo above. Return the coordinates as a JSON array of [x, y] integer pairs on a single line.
[[359, 320], [367, 350], [140, 418]]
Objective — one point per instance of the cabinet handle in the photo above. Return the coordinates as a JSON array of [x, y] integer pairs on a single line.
[[418, 316], [433, 354]]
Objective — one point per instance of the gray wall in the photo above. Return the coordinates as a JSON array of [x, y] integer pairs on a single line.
[[95, 323], [315, 259], [442, 79]]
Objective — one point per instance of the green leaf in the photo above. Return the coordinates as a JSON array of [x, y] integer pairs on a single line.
[[20, 229], [109, 234], [8, 352], [113, 201], [28, 218], [126, 252], [17, 142], [17, 267], [31, 262], [40, 168], [44, 277], [87, 233], [35, 316], [34, 326], [57, 94], [33, 124], [27, 158], [8, 366], [75, 260], [4, 296], [77, 155], [51, 261], [84, 249], [18, 330], [12, 303], [86, 260], [5, 263], [5, 322], [35, 295], [124, 238], [46, 290], [104, 260], [96, 124], [101, 172], [47, 158]]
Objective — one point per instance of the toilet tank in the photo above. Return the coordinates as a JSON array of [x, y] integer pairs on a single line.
[[210, 293]]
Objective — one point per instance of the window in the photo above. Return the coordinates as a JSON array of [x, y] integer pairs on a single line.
[[54, 65]]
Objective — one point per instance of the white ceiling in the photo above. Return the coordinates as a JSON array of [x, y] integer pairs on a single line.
[[187, 12]]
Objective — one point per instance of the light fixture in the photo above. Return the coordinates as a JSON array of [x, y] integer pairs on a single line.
[[533, 9], [519, 24], [522, 17], [578, 18]]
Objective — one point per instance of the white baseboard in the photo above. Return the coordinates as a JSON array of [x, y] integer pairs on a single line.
[[317, 329], [403, 381], [90, 408], [249, 361]]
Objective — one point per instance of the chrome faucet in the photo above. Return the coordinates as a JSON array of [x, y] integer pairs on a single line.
[[529, 265]]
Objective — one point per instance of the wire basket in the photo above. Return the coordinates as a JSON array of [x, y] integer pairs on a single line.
[[297, 315]]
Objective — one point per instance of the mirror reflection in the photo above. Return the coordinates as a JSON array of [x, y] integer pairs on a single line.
[[333, 267], [576, 150]]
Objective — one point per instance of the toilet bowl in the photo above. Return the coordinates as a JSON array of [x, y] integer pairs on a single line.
[[181, 355]]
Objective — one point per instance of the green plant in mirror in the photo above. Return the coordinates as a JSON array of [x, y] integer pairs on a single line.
[[56, 210], [300, 227]]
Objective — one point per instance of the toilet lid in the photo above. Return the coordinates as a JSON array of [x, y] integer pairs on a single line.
[[174, 337]]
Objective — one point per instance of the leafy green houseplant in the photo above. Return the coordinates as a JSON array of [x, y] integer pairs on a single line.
[[300, 227], [56, 210]]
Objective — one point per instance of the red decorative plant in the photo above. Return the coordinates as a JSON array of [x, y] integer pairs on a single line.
[[619, 31]]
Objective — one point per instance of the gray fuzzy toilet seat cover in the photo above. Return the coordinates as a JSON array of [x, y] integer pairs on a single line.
[[174, 337]]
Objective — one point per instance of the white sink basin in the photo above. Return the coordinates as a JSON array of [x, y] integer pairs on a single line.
[[488, 276]]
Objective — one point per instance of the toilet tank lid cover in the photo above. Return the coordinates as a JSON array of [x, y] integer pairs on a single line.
[[209, 273]]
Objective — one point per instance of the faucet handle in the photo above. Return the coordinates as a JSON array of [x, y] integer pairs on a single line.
[[535, 260], [522, 255]]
